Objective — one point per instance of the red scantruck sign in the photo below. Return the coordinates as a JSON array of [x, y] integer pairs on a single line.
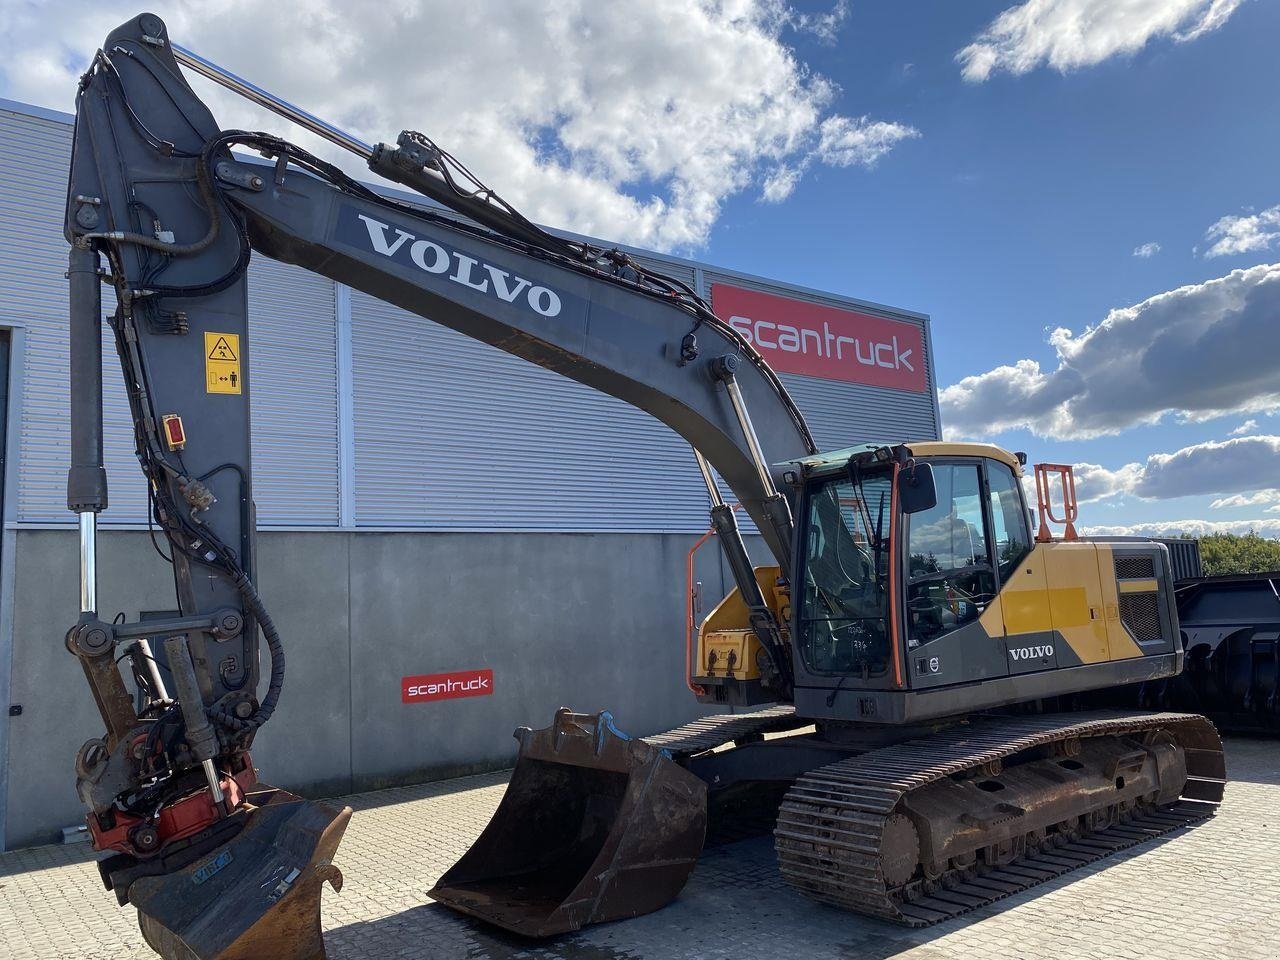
[[820, 341], [446, 686]]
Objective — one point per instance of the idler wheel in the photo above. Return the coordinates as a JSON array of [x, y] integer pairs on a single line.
[[899, 850]]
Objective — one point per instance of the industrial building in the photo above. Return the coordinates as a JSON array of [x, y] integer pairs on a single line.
[[470, 513]]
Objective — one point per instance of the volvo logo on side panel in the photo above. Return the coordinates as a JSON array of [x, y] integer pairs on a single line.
[[1031, 653]]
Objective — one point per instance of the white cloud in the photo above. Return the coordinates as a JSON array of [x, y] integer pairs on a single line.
[[842, 142], [1244, 428], [1096, 482], [1235, 466], [1147, 250], [1201, 351], [779, 184], [861, 141], [1256, 499], [1069, 34], [1233, 235], [825, 27], [1263, 527], [1218, 466], [628, 121]]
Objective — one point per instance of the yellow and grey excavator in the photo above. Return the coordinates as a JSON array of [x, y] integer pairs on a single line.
[[896, 671]]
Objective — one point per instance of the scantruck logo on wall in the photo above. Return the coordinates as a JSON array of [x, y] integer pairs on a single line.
[[446, 686], [815, 340]]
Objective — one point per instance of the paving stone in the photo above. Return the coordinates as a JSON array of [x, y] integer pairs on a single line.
[[1205, 893]]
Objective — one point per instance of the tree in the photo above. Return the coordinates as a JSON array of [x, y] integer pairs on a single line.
[[1224, 553]]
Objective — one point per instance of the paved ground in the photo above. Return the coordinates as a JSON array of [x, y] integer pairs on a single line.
[[1208, 893]]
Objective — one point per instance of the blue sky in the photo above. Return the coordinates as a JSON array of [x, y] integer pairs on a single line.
[[847, 147], [1019, 207]]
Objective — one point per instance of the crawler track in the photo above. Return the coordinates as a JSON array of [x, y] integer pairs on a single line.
[[708, 733], [831, 829]]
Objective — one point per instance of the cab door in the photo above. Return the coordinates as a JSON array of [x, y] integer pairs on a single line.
[[1025, 605], [951, 587]]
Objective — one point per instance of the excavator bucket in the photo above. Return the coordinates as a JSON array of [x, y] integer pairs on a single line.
[[255, 897], [594, 826]]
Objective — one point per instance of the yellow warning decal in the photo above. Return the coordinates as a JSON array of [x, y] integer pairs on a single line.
[[222, 363]]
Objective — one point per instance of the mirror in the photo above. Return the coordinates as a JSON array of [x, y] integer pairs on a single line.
[[916, 491]]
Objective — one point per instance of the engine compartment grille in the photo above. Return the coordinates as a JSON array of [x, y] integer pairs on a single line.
[[1137, 567], [1140, 613]]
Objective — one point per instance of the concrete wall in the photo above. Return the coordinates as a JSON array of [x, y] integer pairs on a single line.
[[588, 620]]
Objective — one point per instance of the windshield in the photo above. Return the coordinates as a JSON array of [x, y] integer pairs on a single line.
[[844, 609]]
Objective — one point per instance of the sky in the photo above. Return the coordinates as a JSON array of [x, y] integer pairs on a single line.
[[1082, 194]]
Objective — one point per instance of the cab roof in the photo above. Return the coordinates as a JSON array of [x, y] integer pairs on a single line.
[[929, 449]]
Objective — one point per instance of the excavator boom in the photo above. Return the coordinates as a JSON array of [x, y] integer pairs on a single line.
[[166, 207]]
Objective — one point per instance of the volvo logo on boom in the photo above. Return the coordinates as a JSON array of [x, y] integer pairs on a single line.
[[1031, 653], [431, 256]]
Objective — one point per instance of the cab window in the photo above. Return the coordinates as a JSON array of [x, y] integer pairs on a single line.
[[1012, 535], [950, 579]]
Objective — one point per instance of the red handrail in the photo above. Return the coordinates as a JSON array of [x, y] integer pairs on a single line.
[[1070, 505]]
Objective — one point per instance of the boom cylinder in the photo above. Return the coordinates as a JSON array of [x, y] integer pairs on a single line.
[[87, 477], [776, 509]]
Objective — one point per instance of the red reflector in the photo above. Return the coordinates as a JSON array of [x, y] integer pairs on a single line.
[[174, 434]]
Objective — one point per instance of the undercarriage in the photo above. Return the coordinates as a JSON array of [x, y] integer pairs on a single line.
[[922, 829]]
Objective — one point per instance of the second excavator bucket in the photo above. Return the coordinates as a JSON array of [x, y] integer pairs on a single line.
[[594, 826], [257, 896]]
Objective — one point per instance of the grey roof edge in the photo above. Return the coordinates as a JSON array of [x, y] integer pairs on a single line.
[[58, 116], [31, 110]]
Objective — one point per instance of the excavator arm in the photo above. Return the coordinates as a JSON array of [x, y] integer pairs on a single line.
[[165, 208]]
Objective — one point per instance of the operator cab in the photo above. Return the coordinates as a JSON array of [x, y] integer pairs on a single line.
[[910, 543], [920, 591], [902, 553]]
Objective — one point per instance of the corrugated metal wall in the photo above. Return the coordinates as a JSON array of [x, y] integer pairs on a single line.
[[447, 433], [292, 362], [293, 371], [33, 258], [453, 434]]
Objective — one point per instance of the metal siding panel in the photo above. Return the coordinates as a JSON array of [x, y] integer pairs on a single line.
[[292, 357], [453, 434], [842, 414], [33, 165], [293, 363]]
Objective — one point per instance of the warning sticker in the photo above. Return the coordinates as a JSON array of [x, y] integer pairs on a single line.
[[222, 363]]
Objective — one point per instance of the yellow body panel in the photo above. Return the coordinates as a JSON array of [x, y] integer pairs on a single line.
[[725, 631], [1075, 599], [1071, 588], [1138, 586], [993, 620], [1024, 601]]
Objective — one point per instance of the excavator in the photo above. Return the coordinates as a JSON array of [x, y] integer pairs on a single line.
[[900, 673]]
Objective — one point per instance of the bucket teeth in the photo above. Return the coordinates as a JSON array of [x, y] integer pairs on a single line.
[[256, 896], [594, 826]]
